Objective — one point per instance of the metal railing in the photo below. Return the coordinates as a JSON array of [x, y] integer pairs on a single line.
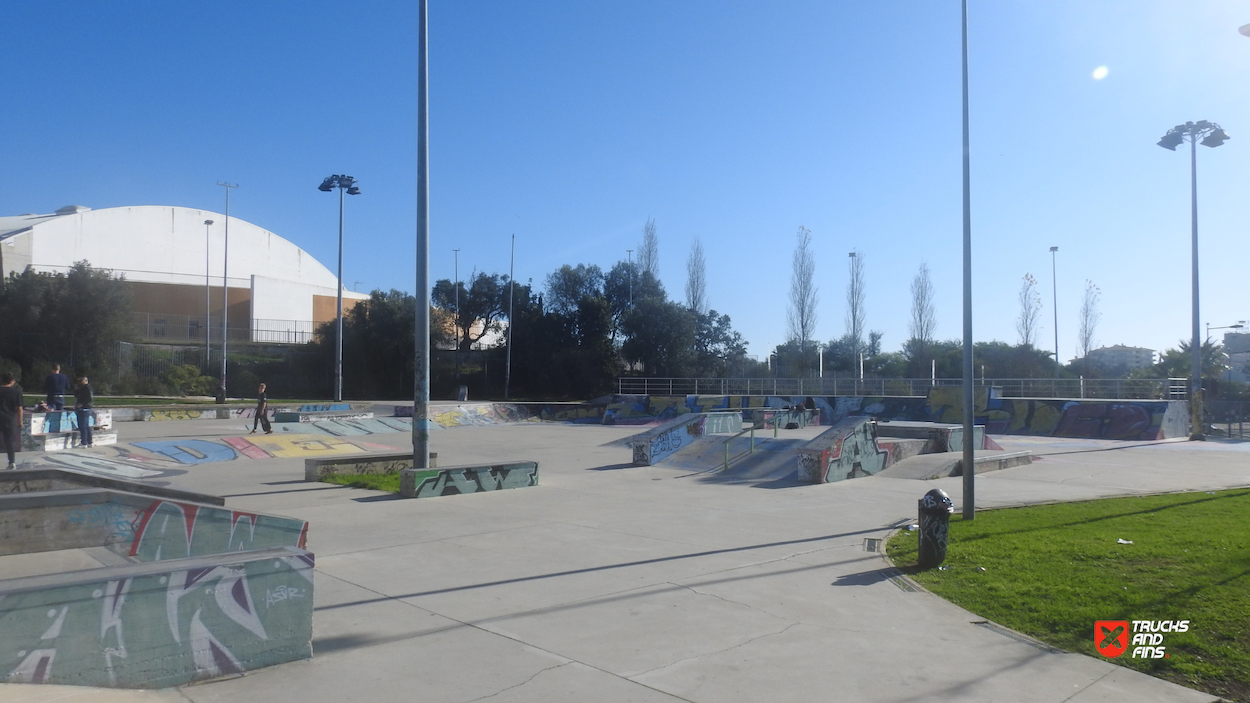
[[1104, 388], [158, 327]]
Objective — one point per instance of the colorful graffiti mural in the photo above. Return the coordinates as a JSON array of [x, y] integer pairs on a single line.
[[159, 628], [431, 483]]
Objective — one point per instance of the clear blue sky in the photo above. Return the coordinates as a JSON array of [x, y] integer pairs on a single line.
[[570, 123]]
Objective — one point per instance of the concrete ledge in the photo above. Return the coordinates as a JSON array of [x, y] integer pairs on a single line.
[[652, 446], [458, 480], [930, 466], [355, 464], [140, 527], [46, 479], [994, 462], [164, 624], [297, 416]]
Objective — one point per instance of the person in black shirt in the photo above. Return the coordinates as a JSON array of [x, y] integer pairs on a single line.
[[262, 411], [56, 385], [83, 400], [10, 417]]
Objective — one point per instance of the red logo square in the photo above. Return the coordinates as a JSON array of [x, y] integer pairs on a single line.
[[1111, 637]]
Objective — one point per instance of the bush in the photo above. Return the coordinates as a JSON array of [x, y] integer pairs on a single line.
[[12, 367], [186, 379]]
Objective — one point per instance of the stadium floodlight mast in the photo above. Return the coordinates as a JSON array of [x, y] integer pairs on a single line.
[[207, 288], [349, 184], [1211, 135], [969, 471], [1054, 287], [421, 326], [225, 289]]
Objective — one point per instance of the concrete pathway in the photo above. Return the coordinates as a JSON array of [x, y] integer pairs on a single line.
[[609, 582]]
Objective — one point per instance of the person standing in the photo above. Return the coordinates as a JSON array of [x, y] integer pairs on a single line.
[[262, 411], [56, 385], [10, 417], [83, 400]]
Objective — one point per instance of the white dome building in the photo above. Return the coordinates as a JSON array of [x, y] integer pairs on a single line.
[[173, 261]]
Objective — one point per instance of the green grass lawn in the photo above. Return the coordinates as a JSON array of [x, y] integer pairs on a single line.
[[1050, 571], [377, 482]]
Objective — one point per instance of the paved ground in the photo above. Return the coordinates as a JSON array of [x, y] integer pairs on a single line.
[[609, 582]]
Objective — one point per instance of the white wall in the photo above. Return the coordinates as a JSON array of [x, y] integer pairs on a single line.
[[161, 244]]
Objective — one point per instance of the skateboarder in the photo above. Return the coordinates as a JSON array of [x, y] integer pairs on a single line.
[[262, 411]]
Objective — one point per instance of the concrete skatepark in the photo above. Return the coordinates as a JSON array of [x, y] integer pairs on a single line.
[[609, 581]]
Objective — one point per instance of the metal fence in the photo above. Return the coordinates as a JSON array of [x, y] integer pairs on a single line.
[[1107, 388], [1228, 418], [160, 327]]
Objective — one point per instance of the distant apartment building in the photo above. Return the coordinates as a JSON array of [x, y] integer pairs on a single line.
[[1121, 359], [1237, 346]]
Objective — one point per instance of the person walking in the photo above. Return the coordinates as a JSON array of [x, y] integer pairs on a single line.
[[10, 417], [262, 411], [56, 384], [83, 400]]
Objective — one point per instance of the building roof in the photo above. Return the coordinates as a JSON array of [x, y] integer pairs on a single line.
[[157, 244]]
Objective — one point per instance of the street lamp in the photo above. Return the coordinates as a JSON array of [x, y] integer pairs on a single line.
[[1054, 287], [1212, 136], [1237, 326], [207, 307], [349, 184]]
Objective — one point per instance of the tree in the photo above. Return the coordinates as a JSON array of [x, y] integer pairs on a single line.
[[483, 306], [696, 279], [649, 250], [660, 335], [1030, 310], [803, 292], [1088, 320], [618, 289], [567, 285], [73, 318], [855, 316], [923, 323], [719, 350]]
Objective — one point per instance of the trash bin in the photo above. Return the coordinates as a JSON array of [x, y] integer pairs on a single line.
[[935, 515], [462, 394], [221, 395]]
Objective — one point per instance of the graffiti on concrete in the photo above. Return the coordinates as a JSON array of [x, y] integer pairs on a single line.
[[650, 448], [161, 629], [101, 466], [172, 530], [846, 450], [168, 415], [457, 481]]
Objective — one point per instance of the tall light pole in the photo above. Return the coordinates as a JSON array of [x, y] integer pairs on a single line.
[[1212, 136], [507, 373], [456, 321], [349, 184], [630, 252], [225, 288], [969, 470], [1054, 287], [421, 375], [207, 308]]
